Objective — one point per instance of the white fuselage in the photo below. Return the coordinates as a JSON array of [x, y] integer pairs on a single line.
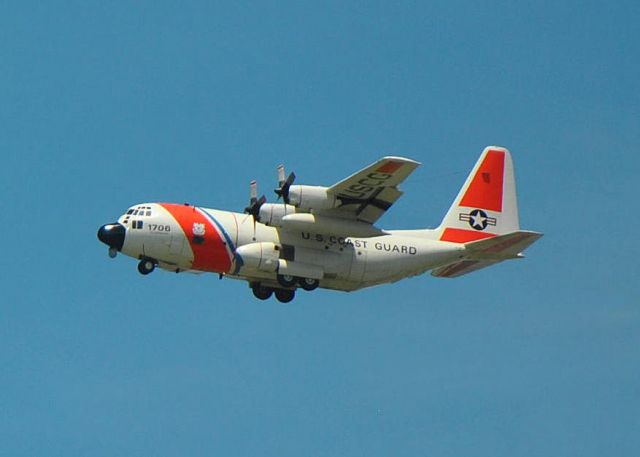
[[188, 238]]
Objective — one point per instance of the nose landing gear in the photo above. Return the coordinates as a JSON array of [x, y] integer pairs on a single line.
[[146, 266], [113, 252]]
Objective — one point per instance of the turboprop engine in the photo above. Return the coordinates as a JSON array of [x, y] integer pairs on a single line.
[[272, 213], [271, 257], [290, 217], [302, 210], [307, 198], [260, 256]]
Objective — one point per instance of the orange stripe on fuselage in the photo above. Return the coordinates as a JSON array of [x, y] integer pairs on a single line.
[[485, 190], [209, 250], [455, 235]]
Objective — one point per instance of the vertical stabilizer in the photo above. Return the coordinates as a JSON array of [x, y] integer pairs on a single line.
[[486, 205]]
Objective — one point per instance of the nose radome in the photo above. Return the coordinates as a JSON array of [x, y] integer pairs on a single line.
[[112, 235]]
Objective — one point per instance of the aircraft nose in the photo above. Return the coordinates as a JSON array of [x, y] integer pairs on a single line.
[[112, 235]]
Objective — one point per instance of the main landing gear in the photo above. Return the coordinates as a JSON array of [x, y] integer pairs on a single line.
[[261, 292], [146, 266], [264, 293], [290, 281], [287, 292], [285, 295]]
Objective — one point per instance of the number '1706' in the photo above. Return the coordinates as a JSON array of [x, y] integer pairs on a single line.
[[159, 228]]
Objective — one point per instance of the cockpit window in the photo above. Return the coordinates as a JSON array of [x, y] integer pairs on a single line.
[[137, 225], [139, 211]]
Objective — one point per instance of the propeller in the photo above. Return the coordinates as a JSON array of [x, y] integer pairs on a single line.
[[284, 184], [254, 202]]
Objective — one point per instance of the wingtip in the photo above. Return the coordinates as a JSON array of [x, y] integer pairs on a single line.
[[402, 159]]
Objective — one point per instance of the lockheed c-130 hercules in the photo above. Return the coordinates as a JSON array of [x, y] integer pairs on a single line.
[[325, 236]]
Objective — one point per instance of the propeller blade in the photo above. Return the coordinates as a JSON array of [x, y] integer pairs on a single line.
[[290, 179], [254, 202], [253, 191], [284, 184], [280, 175]]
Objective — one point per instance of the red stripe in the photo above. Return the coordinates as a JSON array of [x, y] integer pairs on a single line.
[[485, 190], [389, 167], [463, 236], [209, 251]]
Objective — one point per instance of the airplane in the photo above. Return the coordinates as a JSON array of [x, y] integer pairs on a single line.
[[326, 236]]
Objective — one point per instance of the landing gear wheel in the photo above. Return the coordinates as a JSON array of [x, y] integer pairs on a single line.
[[146, 266], [113, 252], [261, 292], [285, 295], [308, 283], [286, 280]]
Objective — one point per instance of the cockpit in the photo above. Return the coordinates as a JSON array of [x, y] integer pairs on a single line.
[[135, 216]]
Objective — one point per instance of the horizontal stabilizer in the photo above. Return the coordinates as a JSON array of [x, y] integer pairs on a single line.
[[462, 267], [484, 253], [502, 247]]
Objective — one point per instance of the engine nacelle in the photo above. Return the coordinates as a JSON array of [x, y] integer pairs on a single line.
[[307, 198], [272, 213], [260, 256], [268, 257], [307, 222]]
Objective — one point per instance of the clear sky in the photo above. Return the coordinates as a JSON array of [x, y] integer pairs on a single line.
[[103, 106]]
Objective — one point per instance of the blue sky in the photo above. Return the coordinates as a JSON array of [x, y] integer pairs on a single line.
[[103, 106]]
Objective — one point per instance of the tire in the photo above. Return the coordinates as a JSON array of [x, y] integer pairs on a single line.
[[261, 292], [285, 295], [308, 284], [146, 266], [287, 280]]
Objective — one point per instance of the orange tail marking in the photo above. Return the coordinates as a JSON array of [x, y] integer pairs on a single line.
[[485, 190]]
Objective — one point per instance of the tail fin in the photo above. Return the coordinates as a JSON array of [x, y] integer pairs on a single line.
[[486, 206]]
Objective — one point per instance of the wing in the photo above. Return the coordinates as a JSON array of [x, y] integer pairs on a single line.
[[367, 194]]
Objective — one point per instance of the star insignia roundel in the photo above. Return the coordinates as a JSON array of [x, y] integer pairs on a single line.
[[478, 219]]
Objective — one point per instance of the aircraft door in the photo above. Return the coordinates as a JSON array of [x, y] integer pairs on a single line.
[[358, 264]]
